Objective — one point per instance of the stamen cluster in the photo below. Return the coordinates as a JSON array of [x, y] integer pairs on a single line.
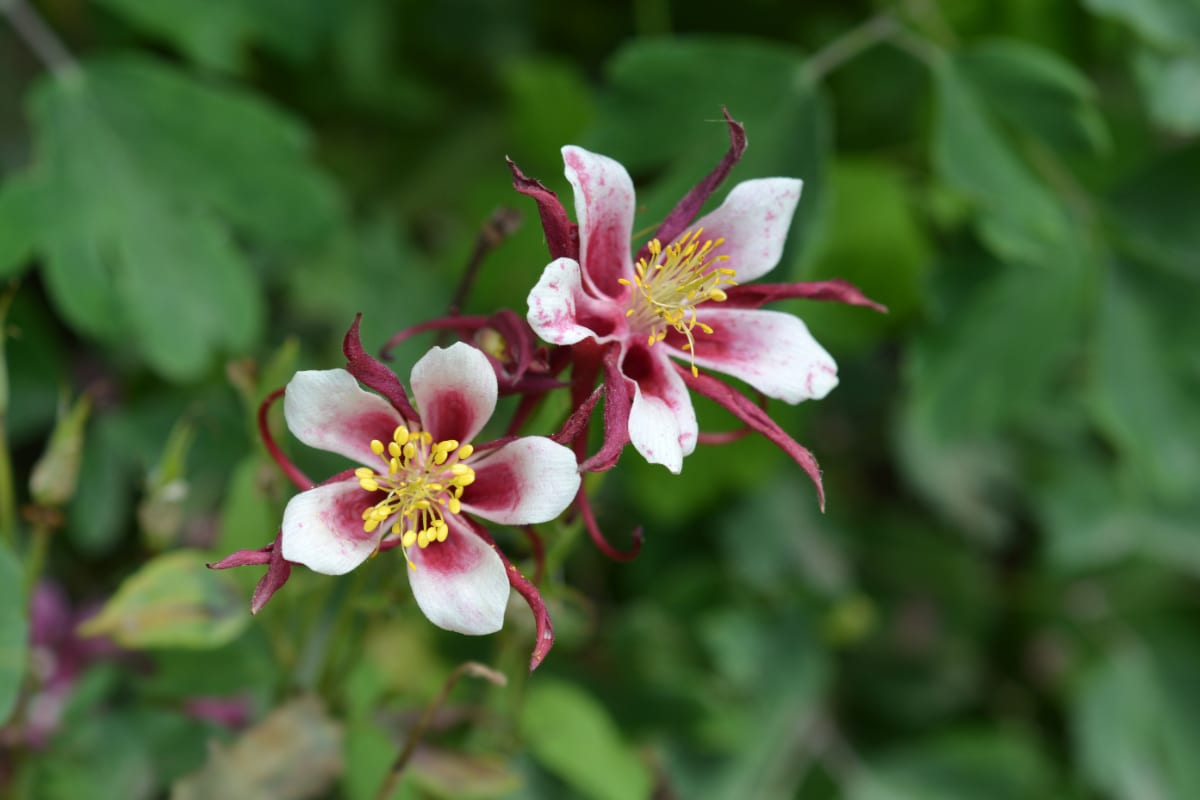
[[672, 283], [423, 479]]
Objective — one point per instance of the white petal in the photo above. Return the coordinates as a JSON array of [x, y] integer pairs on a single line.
[[662, 422], [528, 480], [604, 206], [327, 409], [455, 389], [460, 583], [323, 528], [770, 350], [552, 304], [754, 221]]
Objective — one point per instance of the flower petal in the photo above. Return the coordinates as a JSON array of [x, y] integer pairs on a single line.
[[754, 221], [604, 206], [558, 301], [460, 584], [327, 409], [528, 480], [455, 389], [770, 350], [323, 528], [662, 422]]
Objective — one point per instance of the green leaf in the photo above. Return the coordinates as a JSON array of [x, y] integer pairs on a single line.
[[220, 148], [1169, 83], [1093, 521], [174, 600], [1019, 218], [571, 734], [304, 747], [679, 85], [1158, 211], [99, 755], [550, 104], [1167, 23], [212, 33], [1037, 92], [133, 252], [19, 219], [96, 517], [451, 775], [998, 355], [976, 764], [14, 631], [216, 33], [1136, 723], [874, 240], [1145, 405], [249, 516]]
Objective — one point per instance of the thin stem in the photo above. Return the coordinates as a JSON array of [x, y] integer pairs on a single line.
[[503, 222], [8, 495], [472, 668], [40, 37], [39, 544], [850, 45]]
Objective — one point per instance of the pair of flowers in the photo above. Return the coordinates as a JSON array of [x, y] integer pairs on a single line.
[[642, 327]]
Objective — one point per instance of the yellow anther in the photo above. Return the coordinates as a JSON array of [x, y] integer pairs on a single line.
[[672, 282], [424, 481]]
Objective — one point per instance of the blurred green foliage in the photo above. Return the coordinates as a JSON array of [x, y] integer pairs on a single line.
[[1001, 601]]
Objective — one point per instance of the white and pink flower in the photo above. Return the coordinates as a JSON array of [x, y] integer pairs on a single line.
[[420, 485], [680, 304]]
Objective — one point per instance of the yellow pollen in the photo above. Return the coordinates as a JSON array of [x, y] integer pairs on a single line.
[[669, 286], [423, 480]]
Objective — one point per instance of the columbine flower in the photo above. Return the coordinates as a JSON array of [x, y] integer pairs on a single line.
[[420, 482], [681, 298]]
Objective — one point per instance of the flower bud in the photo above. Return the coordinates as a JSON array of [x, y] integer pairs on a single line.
[[56, 474]]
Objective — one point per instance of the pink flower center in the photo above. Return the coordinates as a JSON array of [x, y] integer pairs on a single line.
[[669, 286], [423, 479]]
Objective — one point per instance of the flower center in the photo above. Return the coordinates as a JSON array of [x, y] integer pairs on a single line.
[[423, 479], [675, 280]]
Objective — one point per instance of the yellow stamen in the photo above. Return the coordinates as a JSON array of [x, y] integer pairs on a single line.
[[423, 480], [671, 283]]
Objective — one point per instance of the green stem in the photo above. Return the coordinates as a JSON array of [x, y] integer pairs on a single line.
[[40, 37], [850, 45], [35, 554], [8, 496], [472, 668]]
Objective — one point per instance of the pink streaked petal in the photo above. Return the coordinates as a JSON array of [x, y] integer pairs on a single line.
[[662, 422], [528, 480], [544, 628], [758, 419], [323, 528], [754, 221], [770, 350], [455, 389], [554, 304], [604, 207], [562, 235], [327, 409], [755, 295], [460, 584]]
